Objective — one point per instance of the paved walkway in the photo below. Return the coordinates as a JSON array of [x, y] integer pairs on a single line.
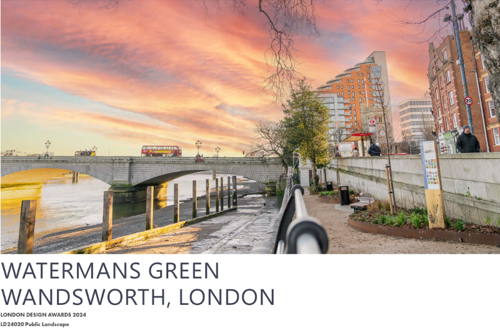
[[345, 239], [235, 232]]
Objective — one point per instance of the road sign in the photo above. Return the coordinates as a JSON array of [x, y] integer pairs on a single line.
[[376, 117], [382, 132], [468, 100], [371, 122]]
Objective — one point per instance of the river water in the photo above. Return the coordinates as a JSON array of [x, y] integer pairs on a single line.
[[65, 205]]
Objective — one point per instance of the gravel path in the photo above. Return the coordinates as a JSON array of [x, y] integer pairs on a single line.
[[345, 239]]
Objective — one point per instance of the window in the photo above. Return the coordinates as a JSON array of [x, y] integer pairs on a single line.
[[342, 93], [451, 98], [369, 86], [442, 129], [342, 87], [358, 74], [360, 99], [445, 56], [491, 106], [358, 80], [352, 87], [437, 95], [354, 105], [359, 87], [364, 98], [371, 98], [455, 121], [338, 87], [362, 74], [448, 77], [439, 112], [496, 137], [444, 103], [442, 82], [447, 127], [487, 83], [482, 61]]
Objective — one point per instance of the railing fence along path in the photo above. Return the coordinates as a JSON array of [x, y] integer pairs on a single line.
[[302, 235]]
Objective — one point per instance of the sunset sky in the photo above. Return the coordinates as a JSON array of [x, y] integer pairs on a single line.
[[162, 72]]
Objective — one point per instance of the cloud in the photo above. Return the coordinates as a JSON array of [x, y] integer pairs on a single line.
[[193, 77]]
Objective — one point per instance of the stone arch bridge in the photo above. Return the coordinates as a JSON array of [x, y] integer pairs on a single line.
[[129, 176]]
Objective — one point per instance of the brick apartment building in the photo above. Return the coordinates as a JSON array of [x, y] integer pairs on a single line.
[[356, 86], [447, 93], [489, 110]]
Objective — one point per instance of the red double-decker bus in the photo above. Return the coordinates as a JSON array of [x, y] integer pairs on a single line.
[[161, 151]]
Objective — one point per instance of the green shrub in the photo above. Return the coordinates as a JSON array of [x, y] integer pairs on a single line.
[[390, 220], [382, 219], [425, 219], [351, 192], [488, 220], [379, 205], [416, 220], [419, 211], [400, 219], [498, 221], [280, 193], [459, 225], [447, 222], [386, 206]]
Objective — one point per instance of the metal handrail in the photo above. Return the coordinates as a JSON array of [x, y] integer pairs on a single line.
[[302, 235]]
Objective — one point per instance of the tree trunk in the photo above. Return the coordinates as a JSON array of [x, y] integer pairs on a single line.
[[485, 21], [315, 176]]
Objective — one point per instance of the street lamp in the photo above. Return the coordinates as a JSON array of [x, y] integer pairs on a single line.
[[47, 145], [198, 145], [217, 150]]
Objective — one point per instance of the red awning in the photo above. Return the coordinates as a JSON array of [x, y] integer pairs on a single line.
[[361, 134]]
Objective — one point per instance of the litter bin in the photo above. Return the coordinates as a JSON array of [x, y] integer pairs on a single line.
[[344, 195], [329, 186]]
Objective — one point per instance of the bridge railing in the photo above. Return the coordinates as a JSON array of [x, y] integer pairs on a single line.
[[170, 160], [302, 235]]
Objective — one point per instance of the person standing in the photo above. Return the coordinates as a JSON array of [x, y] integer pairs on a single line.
[[467, 142], [355, 153], [374, 150]]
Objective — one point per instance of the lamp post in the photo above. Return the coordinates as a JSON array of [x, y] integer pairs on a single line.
[[198, 145], [47, 145], [217, 150], [454, 19]]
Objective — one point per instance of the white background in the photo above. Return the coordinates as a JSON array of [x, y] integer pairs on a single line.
[[330, 293]]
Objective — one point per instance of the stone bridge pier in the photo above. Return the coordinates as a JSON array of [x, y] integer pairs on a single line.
[[130, 176]]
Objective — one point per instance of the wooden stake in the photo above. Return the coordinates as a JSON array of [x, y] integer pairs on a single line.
[[195, 200], [176, 203], [222, 193], [208, 197], [107, 216], [217, 194], [389, 188], [149, 207], [27, 227], [235, 192], [229, 192]]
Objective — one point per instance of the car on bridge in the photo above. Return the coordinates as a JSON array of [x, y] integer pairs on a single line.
[[85, 152]]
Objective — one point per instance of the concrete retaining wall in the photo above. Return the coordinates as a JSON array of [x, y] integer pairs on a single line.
[[471, 182]]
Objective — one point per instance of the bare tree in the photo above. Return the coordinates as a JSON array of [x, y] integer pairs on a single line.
[[271, 141], [382, 101]]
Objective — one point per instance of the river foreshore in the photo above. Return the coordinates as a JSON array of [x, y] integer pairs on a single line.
[[72, 238]]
